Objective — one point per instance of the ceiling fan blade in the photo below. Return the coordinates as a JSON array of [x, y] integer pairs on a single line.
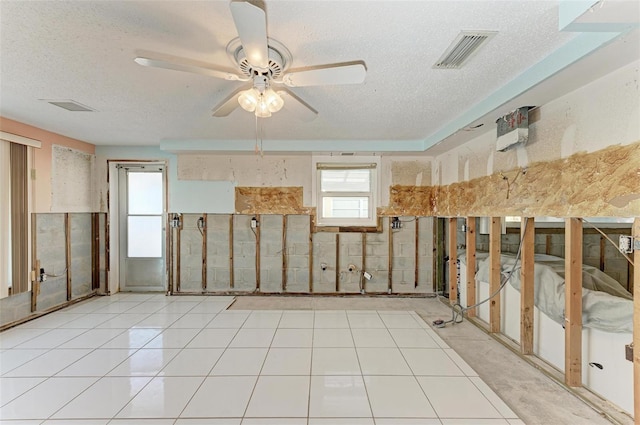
[[187, 66], [339, 73], [228, 105], [251, 23], [297, 106]]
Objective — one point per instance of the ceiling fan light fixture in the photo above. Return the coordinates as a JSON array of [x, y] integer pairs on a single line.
[[273, 100], [248, 99]]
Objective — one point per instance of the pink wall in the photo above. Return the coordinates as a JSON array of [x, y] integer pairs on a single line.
[[43, 157]]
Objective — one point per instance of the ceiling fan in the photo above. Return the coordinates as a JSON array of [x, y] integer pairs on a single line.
[[265, 63]]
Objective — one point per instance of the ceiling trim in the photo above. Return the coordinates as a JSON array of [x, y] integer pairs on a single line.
[[209, 145]]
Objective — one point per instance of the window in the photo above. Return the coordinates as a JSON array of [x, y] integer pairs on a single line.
[[346, 194]]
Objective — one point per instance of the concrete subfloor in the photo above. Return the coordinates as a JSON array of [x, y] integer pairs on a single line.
[[530, 393]]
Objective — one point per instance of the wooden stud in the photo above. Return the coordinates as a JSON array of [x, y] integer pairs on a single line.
[[310, 254], [636, 321], [363, 288], [337, 262], [547, 248], [453, 258], [169, 255], [204, 252], [231, 276], [284, 253], [573, 303], [67, 232], [471, 264], [35, 283], [107, 253], [602, 252], [416, 276], [178, 250], [390, 280], [257, 229], [495, 277], [527, 284]]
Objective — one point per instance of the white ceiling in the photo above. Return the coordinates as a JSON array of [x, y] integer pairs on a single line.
[[84, 50]]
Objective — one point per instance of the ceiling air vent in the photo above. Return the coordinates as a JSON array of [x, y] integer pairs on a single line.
[[463, 47], [69, 105]]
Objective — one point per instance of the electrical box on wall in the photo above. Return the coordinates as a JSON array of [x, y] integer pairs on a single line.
[[513, 129]]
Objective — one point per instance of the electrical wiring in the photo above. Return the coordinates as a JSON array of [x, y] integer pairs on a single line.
[[609, 239], [57, 275], [457, 310]]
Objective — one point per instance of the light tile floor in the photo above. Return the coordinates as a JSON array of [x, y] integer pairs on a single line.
[[149, 359]]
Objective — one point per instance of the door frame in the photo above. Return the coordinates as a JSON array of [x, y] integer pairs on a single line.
[[113, 219]]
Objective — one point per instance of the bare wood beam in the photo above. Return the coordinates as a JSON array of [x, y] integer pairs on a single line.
[[471, 264], [67, 232], [416, 276], [284, 253], [178, 253], [390, 277], [257, 229], [636, 322], [35, 279], [310, 253], [495, 236], [573, 303], [363, 282], [231, 276], [337, 262], [453, 256], [527, 284], [169, 243], [204, 252]]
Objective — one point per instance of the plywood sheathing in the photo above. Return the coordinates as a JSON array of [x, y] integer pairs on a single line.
[[602, 183], [270, 200]]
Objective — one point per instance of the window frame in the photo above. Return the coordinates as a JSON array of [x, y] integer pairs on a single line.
[[372, 163]]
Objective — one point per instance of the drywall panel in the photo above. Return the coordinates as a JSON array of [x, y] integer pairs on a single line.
[[71, 180], [249, 170]]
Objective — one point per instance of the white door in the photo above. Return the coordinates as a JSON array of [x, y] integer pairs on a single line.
[[142, 227]]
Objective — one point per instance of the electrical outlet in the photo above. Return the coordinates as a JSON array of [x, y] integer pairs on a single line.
[[254, 223], [625, 244]]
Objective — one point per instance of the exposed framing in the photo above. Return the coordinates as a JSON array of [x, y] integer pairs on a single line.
[[470, 241], [495, 234], [636, 321], [573, 303], [527, 284], [453, 258]]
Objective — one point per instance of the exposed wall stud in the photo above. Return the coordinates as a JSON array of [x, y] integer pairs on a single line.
[[231, 276], [390, 281], [453, 257], [573, 303], [337, 262], [495, 234], [471, 264], [170, 231], [602, 252], [35, 283], [204, 252], [636, 321], [257, 230], [416, 276], [363, 282], [67, 233], [178, 255], [527, 284], [310, 254], [284, 253]]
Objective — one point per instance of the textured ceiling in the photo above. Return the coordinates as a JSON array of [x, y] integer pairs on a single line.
[[84, 50]]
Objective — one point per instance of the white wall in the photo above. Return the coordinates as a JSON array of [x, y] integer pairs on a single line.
[[603, 113]]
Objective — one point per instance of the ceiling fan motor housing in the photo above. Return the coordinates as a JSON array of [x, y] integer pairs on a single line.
[[274, 71]]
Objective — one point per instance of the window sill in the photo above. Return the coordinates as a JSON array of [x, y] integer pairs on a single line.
[[349, 229]]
